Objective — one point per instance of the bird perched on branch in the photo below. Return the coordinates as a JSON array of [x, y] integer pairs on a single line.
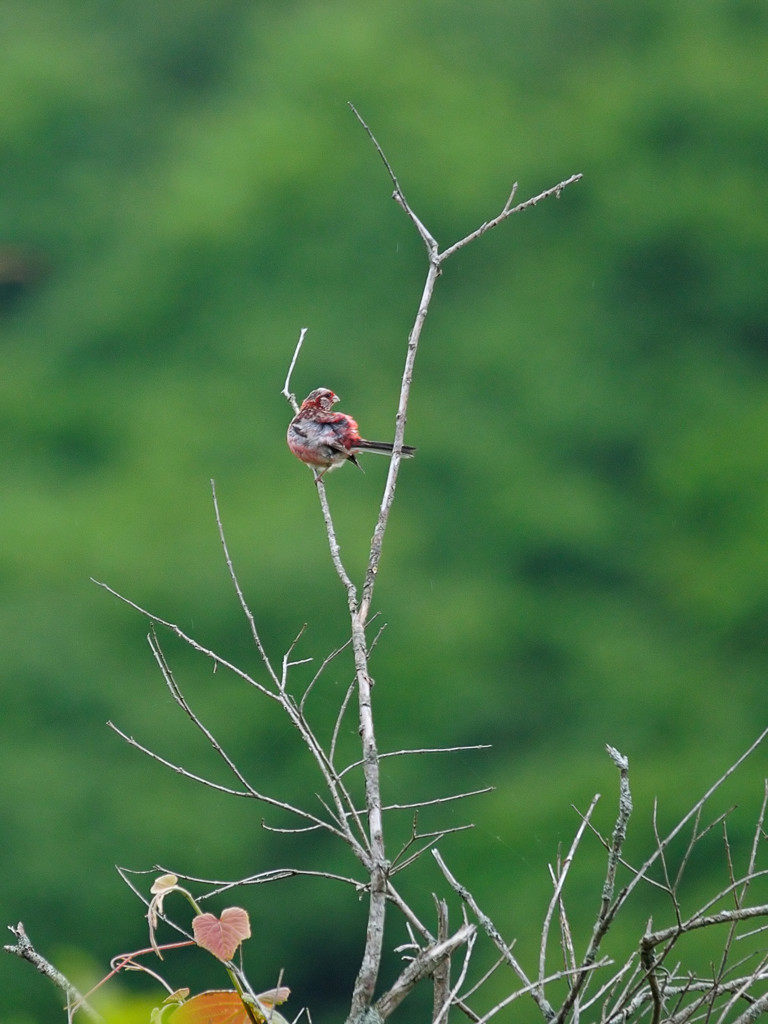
[[325, 439]]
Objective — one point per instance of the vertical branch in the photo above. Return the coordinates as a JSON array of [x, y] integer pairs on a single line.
[[608, 906], [441, 979], [365, 983], [333, 545], [394, 465], [559, 880], [405, 387]]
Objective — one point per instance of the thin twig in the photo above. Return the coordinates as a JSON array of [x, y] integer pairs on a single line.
[[324, 664], [562, 874], [507, 211], [454, 992], [492, 932], [238, 590], [607, 905], [421, 750], [641, 873], [334, 784], [287, 386], [697, 921], [417, 804], [529, 989], [398, 195], [262, 878], [249, 792], [182, 702], [337, 727], [215, 658], [430, 840], [408, 912]]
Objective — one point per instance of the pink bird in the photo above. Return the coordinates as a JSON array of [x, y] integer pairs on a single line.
[[325, 439]]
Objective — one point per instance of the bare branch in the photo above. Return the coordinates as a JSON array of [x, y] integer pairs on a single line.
[[436, 260], [365, 982], [476, 987], [562, 874], [262, 878], [612, 984], [333, 544], [620, 828], [428, 840], [607, 905], [441, 976], [325, 663], [757, 839], [421, 750], [388, 496], [492, 932], [248, 792], [422, 966], [26, 951], [299, 830], [507, 211], [337, 789], [408, 912], [453, 994], [757, 1009], [179, 770], [641, 872], [366, 979], [530, 988], [418, 804], [182, 702], [334, 784], [651, 939], [337, 726]]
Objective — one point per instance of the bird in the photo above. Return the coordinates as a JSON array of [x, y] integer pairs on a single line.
[[325, 439]]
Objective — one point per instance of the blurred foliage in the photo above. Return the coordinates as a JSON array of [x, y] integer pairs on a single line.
[[579, 553]]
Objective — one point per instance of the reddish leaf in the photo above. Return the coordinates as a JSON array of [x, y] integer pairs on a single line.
[[222, 936], [226, 1007], [212, 1008]]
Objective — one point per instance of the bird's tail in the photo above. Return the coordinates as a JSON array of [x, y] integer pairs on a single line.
[[383, 448]]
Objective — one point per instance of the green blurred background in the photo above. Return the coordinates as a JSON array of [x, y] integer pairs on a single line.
[[579, 552]]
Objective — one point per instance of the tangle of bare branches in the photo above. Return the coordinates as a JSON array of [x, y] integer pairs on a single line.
[[648, 983]]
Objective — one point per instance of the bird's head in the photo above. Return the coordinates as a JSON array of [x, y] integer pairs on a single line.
[[320, 398]]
